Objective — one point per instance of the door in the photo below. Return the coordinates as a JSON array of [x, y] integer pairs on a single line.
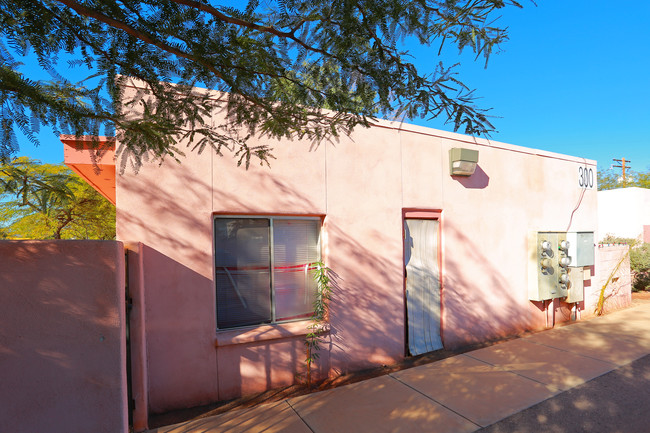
[[422, 285]]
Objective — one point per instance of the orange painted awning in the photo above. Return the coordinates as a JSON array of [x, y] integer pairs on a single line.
[[92, 158]]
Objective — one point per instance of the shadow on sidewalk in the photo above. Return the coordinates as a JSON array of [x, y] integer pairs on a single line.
[[275, 395]]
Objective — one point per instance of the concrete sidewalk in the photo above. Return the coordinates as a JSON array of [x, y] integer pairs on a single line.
[[459, 394]]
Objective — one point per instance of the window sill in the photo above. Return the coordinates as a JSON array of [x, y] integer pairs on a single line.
[[264, 333]]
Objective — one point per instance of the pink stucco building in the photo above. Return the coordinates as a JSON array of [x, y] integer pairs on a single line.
[[220, 255]]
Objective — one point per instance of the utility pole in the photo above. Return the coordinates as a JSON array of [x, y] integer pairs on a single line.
[[622, 161]]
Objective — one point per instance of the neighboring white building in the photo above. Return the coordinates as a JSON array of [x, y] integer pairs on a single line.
[[624, 212]]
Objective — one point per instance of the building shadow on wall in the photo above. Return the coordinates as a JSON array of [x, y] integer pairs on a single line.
[[180, 300], [479, 180], [171, 217], [367, 305], [179, 333], [496, 307], [367, 316], [357, 314], [482, 305], [367, 312]]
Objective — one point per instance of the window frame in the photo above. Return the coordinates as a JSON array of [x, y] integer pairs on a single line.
[[271, 246]]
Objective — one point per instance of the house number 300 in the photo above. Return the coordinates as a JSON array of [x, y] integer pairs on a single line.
[[586, 177]]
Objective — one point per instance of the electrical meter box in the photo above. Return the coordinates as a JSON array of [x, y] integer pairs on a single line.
[[581, 248], [576, 285], [548, 264]]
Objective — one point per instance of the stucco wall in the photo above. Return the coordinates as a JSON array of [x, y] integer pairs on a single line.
[[62, 337], [614, 261], [624, 212], [360, 186]]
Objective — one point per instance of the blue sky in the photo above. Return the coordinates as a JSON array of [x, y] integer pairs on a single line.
[[574, 78]]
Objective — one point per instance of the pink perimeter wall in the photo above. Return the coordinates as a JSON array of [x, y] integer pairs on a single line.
[[62, 337], [360, 186], [618, 293]]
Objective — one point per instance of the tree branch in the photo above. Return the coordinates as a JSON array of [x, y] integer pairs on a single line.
[[232, 20], [90, 13], [264, 29]]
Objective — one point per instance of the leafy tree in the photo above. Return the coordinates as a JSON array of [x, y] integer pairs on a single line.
[[280, 64], [48, 201], [611, 179], [608, 179], [643, 180]]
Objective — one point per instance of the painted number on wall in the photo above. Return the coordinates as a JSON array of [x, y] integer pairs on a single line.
[[586, 177]]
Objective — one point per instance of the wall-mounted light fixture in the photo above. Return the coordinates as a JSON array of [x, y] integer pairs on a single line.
[[462, 162]]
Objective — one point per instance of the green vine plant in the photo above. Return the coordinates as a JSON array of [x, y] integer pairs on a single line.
[[319, 326]]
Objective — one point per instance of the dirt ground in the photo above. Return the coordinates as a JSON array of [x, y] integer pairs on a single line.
[[296, 390], [638, 297]]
